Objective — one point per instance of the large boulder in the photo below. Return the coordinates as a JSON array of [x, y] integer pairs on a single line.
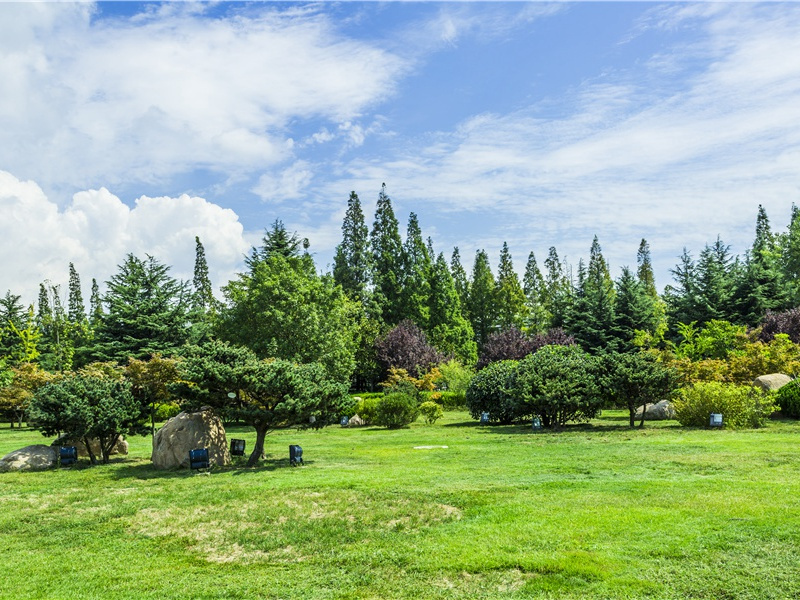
[[121, 447], [38, 457], [772, 382], [355, 421], [189, 431], [660, 411]]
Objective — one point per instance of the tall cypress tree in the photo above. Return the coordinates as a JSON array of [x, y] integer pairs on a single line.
[[510, 299], [76, 310], [351, 263], [533, 286], [482, 306], [95, 304], [414, 282], [202, 293], [591, 319], [448, 330], [559, 288], [644, 271], [387, 260], [460, 281], [790, 253]]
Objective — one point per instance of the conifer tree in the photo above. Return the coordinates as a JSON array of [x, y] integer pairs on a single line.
[[95, 304], [790, 253], [634, 310], [558, 289], [448, 330], [203, 301], [482, 307], [681, 298], [715, 283], [76, 310], [591, 319], [460, 280], [415, 285], [509, 296], [351, 263], [533, 286], [387, 260], [645, 269]]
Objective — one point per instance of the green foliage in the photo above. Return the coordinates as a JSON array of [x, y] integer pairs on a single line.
[[741, 405], [387, 260], [509, 296], [164, 412], [448, 330], [351, 263], [559, 385], [481, 305], [455, 377], [431, 411], [636, 379], [367, 408], [490, 391], [415, 275], [788, 398], [396, 410], [88, 407], [591, 318]]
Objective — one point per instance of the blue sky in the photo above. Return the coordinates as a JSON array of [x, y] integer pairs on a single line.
[[133, 127]]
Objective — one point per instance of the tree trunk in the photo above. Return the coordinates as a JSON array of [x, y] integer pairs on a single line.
[[258, 448], [632, 415], [106, 449], [644, 410], [92, 457]]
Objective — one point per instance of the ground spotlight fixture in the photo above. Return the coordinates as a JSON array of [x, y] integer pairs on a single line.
[[536, 424], [484, 418], [295, 455], [237, 447], [198, 459], [68, 455], [344, 421], [715, 420]]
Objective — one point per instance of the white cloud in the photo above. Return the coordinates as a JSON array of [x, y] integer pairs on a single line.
[[96, 230], [290, 184]]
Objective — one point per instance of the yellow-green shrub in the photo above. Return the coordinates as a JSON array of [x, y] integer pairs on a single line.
[[741, 405]]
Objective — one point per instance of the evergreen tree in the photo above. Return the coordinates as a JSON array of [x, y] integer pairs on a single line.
[[482, 308], [95, 304], [415, 275], [76, 310], [147, 312], [535, 291], [351, 264], [645, 269], [56, 345], [790, 252], [681, 298], [460, 281], [448, 330], [591, 319], [715, 283], [276, 240], [559, 289], [202, 292], [387, 260], [634, 310], [509, 297]]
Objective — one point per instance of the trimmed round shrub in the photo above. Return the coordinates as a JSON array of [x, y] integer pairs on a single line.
[[741, 405], [489, 391], [396, 410], [788, 398], [166, 411], [431, 411], [367, 409]]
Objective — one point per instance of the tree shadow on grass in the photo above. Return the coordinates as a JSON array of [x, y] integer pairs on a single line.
[[610, 424], [148, 471]]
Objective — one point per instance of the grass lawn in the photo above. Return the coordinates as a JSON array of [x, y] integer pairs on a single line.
[[597, 511]]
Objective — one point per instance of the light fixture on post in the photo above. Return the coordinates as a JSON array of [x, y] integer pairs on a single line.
[[68, 455], [716, 420], [484, 418], [295, 455], [198, 459], [237, 447]]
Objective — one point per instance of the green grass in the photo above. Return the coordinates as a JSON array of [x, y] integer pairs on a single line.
[[597, 511]]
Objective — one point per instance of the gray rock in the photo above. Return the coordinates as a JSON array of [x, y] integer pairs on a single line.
[[772, 382], [189, 431], [355, 421], [38, 457], [121, 447], [660, 411]]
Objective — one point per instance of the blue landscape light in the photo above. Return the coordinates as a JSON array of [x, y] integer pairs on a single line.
[[295, 455], [536, 424], [237, 447], [198, 459], [715, 420], [484, 418], [68, 455]]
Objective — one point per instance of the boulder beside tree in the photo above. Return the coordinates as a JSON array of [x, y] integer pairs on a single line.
[[38, 457], [189, 431]]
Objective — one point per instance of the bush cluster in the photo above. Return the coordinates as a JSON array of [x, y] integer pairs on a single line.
[[788, 398], [491, 391], [740, 405], [431, 412], [396, 410]]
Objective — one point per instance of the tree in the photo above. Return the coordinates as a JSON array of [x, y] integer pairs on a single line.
[[17, 392], [151, 380], [387, 260], [88, 407], [533, 287], [268, 394], [490, 391], [415, 282], [448, 330], [508, 344], [636, 379], [203, 300], [406, 347], [147, 312], [281, 308], [591, 319], [351, 263], [509, 297], [715, 282], [95, 305], [12, 319], [559, 289], [76, 310], [644, 271], [276, 240], [58, 332], [790, 258], [482, 308], [460, 281], [634, 310], [559, 385]]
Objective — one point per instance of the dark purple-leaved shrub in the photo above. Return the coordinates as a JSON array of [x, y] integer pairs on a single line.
[[785, 321], [406, 347], [513, 344]]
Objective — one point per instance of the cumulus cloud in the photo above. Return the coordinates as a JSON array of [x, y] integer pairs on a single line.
[[96, 230]]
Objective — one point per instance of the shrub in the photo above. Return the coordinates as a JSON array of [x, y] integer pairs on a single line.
[[558, 384], [431, 412], [489, 392], [166, 411], [740, 405], [367, 408], [455, 377], [396, 410], [788, 398], [406, 347], [452, 400]]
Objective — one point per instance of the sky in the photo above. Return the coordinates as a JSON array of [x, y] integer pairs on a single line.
[[134, 127]]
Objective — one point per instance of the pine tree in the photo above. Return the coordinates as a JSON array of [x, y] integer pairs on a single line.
[[645, 269], [681, 298], [415, 275], [510, 299], [351, 264], [558, 288], [448, 330], [592, 318], [533, 286], [387, 260], [95, 304], [202, 293], [482, 308], [634, 310], [460, 281], [276, 240], [790, 252], [76, 310], [715, 283]]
